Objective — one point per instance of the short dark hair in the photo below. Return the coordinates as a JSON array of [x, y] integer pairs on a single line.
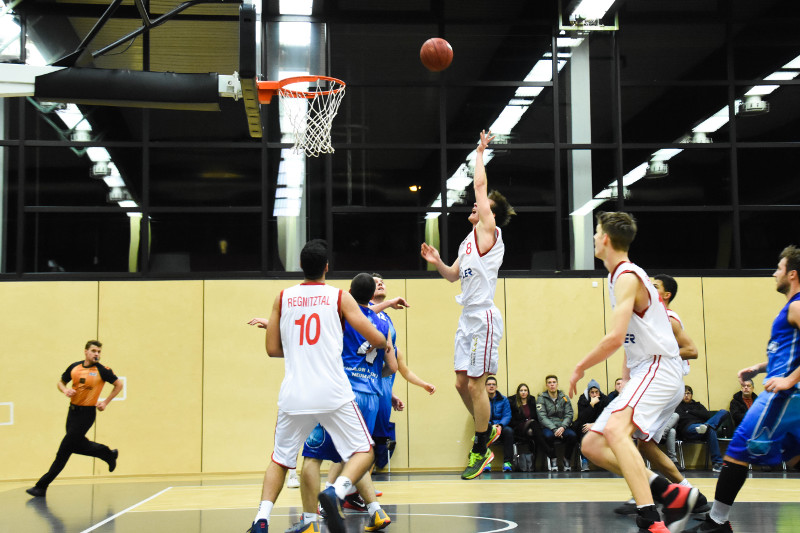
[[792, 255], [362, 288], [313, 258], [376, 275], [670, 285], [620, 227], [488, 378], [688, 389], [551, 376], [501, 208], [93, 343]]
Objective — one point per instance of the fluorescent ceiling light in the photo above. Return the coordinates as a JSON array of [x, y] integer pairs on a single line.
[[98, 153], [713, 123], [593, 9], [530, 92], [72, 116], [541, 71], [127, 203], [289, 192], [633, 176], [781, 76], [794, 63], [294, 33], [761, 90], [568, 42], [509, 117], [665, 154], [114, 181], [295, 7]]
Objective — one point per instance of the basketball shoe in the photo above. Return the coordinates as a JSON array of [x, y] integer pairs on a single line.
[[493, 436], [709, 526], [378, 521], [678, 502], [301, 527], [259, 526], [645, 526], [334, 516], [701, 505], [477, 463], [355, 502]]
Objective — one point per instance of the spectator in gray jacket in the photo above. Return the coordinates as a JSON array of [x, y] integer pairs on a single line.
[[555, 413]]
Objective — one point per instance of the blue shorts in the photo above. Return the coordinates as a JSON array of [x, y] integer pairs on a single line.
[[383, 426], [319, 444], [770, 431]]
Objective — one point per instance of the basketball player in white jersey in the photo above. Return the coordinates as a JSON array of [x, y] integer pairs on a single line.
[[480, 327], [654, 380], [305, 328]]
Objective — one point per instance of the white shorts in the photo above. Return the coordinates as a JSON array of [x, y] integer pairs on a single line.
[[654, 391], [345, 425], [477, 340]]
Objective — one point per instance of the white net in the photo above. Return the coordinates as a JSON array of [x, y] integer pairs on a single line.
[[309, 113]]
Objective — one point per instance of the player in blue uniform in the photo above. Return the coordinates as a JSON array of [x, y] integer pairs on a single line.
[[770, 431], [364, 366]]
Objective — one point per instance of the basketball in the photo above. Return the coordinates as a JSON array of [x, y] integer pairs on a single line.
[[436, 54]]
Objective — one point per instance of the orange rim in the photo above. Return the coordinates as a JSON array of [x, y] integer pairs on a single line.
[[268, 89]]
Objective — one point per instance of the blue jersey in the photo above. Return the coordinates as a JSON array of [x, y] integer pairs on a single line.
[[783, 350], [362, 363]]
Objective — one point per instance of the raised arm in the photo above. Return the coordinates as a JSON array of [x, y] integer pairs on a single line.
[[394, 303], [486, 225], [273, 342], [625, 290], [352, 313], [688, 350]]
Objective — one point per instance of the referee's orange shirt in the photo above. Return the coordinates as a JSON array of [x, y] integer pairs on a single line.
[[87, 381]]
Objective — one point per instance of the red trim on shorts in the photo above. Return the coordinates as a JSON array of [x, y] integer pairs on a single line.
[[361, 419], [457, 371], [488, 337], [477, 246], [657, 362], [272, 457]]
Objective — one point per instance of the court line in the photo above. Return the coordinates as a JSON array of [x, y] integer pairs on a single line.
[[134, 506]]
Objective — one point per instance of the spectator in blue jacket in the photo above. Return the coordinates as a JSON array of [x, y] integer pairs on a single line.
[[500, 417]]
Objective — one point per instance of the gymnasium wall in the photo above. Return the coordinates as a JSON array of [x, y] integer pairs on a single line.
[[201, 393]]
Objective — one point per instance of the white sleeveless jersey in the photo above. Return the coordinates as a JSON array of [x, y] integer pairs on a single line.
[[311, 334], [650, 332], [684, 362], [479, 271]]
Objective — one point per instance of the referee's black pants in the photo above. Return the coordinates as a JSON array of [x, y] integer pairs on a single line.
[[79, 419]]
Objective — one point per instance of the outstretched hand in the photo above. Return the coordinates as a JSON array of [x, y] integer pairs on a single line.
[[398, 303], [260, 322], [429, 253], [486, 138]]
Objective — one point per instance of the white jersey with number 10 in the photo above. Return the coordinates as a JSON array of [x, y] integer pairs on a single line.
[[311, 334]]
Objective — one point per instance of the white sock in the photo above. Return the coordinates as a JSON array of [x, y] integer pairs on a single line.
[[720, 512], [373, 507], [685, 483], [328, 484], [264, 510], [310, 517], [652, 477], [342, 487]]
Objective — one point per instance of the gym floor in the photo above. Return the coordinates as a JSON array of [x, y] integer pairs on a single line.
[[419, 503]]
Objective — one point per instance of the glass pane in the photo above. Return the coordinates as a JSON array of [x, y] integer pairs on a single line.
[[77, 242], [577, 166], [87, 176], [370, 242], [48, 121], [781, 122], [387, 115], [227, 124], [205, 176], [667, 114], [8, 213], [374, 178], [205, 242], [764, 235], [683, 240], [659, 45], [524, 177], [368, 54], [762, 42], [693, 176], [767, 176], [529, 239], [511, 119]]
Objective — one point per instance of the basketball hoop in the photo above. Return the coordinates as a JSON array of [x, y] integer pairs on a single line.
[[309, 112]]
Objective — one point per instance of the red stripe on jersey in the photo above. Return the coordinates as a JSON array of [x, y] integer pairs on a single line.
[[616, 267], [280, 307], [649, 300], [496, 234]]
